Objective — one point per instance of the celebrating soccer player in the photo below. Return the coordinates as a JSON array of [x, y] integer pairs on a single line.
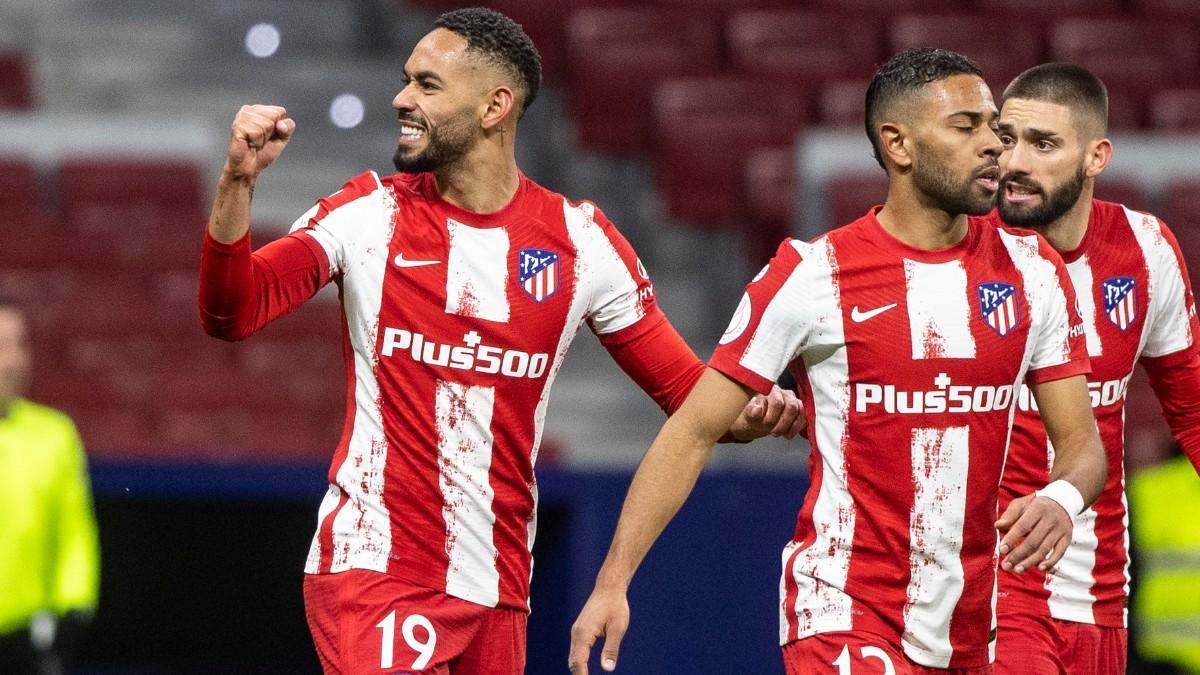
[[462, 283], [1136, 304], [910, 331]]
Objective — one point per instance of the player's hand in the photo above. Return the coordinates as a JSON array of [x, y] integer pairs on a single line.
[[258, 136], [1037, 533], [779, 414], [606, 614]]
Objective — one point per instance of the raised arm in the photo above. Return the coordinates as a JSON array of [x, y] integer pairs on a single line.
[[1038, 526], [258, 136], [662, 483]]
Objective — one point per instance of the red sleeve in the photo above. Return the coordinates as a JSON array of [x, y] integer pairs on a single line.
[[654, 355], [1176, 381], [240, 291]]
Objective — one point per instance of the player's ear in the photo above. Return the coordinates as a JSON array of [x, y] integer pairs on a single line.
[[499, 106], [895, 144], [1097, 157]]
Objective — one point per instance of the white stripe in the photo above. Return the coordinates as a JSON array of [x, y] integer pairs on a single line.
[[1070, 587], [1082, 279], [1047, 342], [940, 329], [820, 571], [464, 421], [477, 272], [939, 461], [312, 565], [362, 534], [1167, 328]]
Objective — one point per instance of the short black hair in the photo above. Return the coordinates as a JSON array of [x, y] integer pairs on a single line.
[[501, 41], [1067, 85], [905, 73]]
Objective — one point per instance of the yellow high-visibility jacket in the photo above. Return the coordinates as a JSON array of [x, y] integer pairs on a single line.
[[1165, 512], [49, 550]]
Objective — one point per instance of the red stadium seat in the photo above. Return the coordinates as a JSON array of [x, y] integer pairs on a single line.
[[1047, 9], [124, 196], [842, 102], [705, 129], [19, 186], [1188, 9], [803, 47], [1125, 108], [1176, 109], [117, 432], [616, 57], [16, 82], [770, 190], [851, 195], [1129, 193], [1182, 214], [1000, 48], [889, 7], [1129, 55]]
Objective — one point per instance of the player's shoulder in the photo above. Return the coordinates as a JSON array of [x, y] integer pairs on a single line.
[[42, 416]]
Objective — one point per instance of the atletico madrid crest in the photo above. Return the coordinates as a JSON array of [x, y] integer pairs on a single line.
[[1120, 302], [999, 306], [537, 272]]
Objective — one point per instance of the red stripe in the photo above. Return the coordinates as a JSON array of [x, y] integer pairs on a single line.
[[325, 538]]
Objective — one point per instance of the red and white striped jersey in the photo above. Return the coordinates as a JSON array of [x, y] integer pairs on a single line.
[[1135, 301], [908, 362], [456, 324]]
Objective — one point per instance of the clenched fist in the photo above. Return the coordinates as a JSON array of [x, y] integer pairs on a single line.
[[259, 134]]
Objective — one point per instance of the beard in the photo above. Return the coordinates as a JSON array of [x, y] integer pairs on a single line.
[[445, 144], [1051, 207], [946, 191]]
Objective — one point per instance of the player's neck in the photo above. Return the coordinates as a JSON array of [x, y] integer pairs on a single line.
[[483, 181], [919, 225], [1067, 233]]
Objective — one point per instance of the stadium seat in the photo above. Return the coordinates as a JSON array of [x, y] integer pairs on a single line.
[[19, 185], [803, 47], [1176, 109], [1126, 109], [1002, 49], [123, 195], [1187, 9], [841, 102], [1129, 193], [1128, 54], [1047, 9], [1182, 214], [616, 57], [878, 7], [16, 82], [770, 192], [851, 195], [705, 128]]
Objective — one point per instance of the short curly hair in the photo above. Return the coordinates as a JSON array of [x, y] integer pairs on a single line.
[[905, 73], [501, 41]]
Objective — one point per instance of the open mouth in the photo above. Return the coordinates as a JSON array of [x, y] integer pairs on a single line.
[[989, 178], [1018, 193], [410, 133]]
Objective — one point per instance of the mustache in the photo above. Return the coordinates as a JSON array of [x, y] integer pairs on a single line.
[[1022, 181]]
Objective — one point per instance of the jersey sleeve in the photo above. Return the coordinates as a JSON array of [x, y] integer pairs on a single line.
[[75, 578], [334, 222], [1172, 305], [657, 359], [770, 325], [1059, 348], [1175, 379], [622, 295]]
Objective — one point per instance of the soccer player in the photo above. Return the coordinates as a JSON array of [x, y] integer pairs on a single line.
[[910, 332], [462, 283], [1136, 304]]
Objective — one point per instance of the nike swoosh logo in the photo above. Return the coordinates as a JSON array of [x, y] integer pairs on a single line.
[[859, 317], [399, 261]]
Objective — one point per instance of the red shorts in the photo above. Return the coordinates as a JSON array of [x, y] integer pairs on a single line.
[[367, 622], [1033, 645], [859, 653]]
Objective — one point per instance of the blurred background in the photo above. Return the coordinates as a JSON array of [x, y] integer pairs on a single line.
[[706, 129]]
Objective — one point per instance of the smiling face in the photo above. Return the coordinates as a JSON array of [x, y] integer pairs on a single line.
[[1043, 167], [954, 162], [441, 104]]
